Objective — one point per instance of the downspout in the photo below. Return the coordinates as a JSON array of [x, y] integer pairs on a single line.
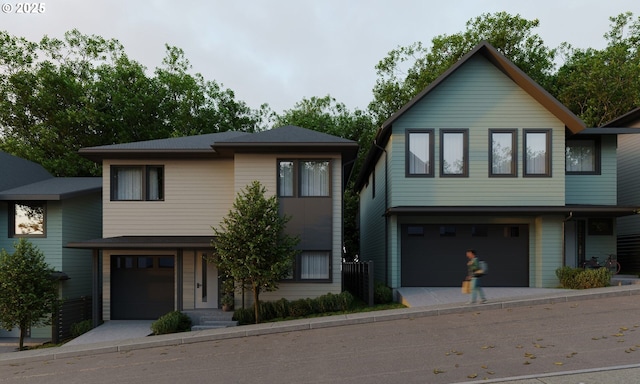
[[386, 217], [344, 189], [564, 238]]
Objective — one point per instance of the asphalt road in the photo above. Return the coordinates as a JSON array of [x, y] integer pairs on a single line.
[[455, 348]]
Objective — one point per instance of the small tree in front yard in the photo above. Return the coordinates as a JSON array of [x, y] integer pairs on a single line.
[[251, 246], [28, 294]]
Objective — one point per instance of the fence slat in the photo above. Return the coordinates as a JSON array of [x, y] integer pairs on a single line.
[[357, 278]]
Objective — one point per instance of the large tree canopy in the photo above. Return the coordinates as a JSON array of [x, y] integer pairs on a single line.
[[59, 95], [406, 71]]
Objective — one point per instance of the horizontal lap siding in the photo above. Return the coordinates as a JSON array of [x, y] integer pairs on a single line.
[[629, 181], [198, 194], [478, 97], [596, 189]]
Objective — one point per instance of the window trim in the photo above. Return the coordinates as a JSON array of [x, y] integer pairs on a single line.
[[12, 219], [465, 152], [549, 153], [597, 154], [145, 169], [431, 147], [514, 153], [297, 269], [297, 177], [293, 176]]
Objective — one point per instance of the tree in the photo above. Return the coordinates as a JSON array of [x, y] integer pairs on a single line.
[[406, 71], [28, 294], [251, 245], [600, 85], [332, 117]]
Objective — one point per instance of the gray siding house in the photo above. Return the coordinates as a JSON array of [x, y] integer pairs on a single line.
[[628, 126], [161, 198], [50, 212], [485, 158]]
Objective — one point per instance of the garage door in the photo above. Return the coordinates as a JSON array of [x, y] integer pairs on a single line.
[[142, 287], [434, 255]]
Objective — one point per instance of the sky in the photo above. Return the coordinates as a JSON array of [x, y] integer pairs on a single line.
[[281, 51]]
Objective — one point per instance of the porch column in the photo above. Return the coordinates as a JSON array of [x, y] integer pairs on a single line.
[[95, 302]]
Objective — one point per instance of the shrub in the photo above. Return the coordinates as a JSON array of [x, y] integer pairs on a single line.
[[578, 278], [300, 308], [171, 322], [381, 293], [244, 316], [78, 329]]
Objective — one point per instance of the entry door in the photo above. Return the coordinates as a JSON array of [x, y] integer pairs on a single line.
[[206, 282]]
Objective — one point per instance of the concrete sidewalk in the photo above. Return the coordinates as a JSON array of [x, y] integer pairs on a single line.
[[499, 298]]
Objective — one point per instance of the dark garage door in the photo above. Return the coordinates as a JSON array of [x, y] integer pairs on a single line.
[[434, 255], [141, 287]]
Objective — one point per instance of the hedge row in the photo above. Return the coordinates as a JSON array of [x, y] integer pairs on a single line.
[[284, 308], [578, 278]]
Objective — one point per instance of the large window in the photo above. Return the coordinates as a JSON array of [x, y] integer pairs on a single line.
[[582, 156], [419, 153], [502, 153], [312, 266], [137, 182], [454, 156], [28, 219], [537, 153], [304, 178]]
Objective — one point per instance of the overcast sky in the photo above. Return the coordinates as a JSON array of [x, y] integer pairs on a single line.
[[280, 51]]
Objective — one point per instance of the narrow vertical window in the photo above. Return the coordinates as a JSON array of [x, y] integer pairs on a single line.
[[537, 153], [155, 183], [419, 153], [285, 178], [502, 155], [454, 157]]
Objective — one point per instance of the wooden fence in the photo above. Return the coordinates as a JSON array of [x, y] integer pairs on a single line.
[[357, 278]]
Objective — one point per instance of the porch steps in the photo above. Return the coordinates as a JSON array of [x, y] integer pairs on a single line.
[[213, 324], [625, 279], [210, 319]]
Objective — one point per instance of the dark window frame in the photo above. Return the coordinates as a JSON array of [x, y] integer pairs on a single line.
[[549, 152], [514, 153], [465, 152], [297, 269], [145, 169], [597, 146], [12, 219], [297, 177], [431, 147]]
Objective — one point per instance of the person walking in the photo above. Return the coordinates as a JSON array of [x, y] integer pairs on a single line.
[[473, 266]]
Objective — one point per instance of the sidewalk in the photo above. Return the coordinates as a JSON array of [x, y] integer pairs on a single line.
[[540, 297]]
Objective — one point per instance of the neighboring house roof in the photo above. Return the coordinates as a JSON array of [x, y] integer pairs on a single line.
[[570, 120], [16, 171], [55, 188], [145, 242], [625, 120]]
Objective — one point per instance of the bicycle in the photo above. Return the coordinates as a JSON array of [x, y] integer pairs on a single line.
[[611, 264]]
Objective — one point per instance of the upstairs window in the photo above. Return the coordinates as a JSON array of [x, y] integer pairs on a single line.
[[582, 157], [502, 153], [419, 161], [537, 153], [137, 183], [27, 219], [454, 153], [304, 178]]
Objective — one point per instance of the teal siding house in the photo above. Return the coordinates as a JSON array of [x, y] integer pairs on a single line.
[[50, 212], [485, 158], [628, 127]]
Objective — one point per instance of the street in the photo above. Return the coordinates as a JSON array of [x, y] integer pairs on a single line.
[[439, 349]]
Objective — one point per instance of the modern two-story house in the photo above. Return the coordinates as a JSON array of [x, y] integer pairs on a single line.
[[161, 199], [484, 158], [628, 228], [50, 212]]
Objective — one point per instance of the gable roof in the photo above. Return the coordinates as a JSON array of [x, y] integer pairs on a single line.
[[55, 188], [16, 171], [625, 120], [570, 120]]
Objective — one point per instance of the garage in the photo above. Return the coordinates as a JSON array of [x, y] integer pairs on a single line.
[[434, 255], [142, 287]]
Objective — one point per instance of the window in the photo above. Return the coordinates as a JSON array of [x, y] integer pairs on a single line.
[[28, 219], [137, 183], [582, 156], [502, 155], [454, 156], [419, 161], [448, 231], [311, 266], [537, 153], [304, 178]]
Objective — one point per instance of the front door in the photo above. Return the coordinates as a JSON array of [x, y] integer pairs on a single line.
[[206, 282]]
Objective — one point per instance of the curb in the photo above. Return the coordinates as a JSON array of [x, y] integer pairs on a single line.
[[56, 353]]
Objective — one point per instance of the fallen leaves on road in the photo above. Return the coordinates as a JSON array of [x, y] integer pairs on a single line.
[[438, 371]]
